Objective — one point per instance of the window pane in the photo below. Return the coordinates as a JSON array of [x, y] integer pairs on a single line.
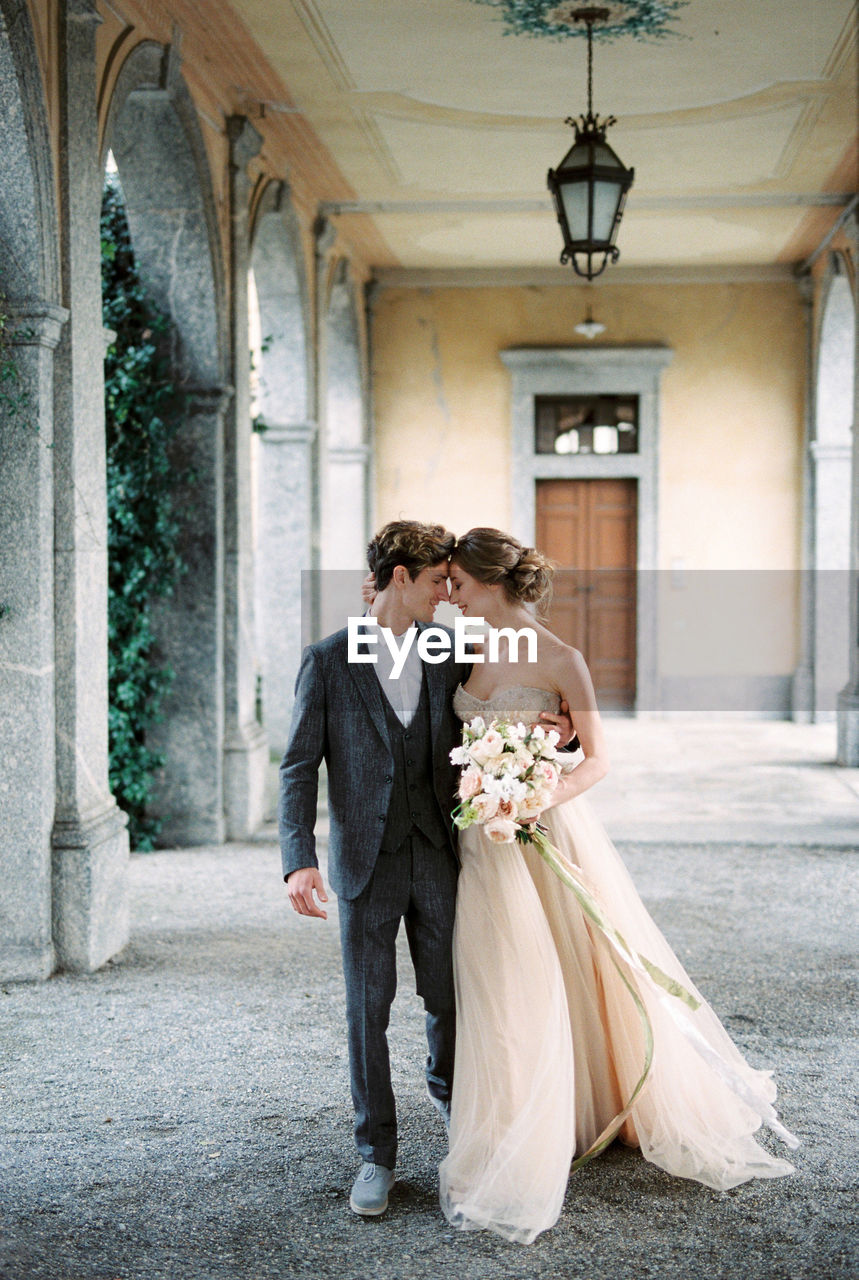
[[586, 424]]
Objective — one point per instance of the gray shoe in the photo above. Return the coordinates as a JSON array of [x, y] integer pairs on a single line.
[[370, 1190], [443, 1108]]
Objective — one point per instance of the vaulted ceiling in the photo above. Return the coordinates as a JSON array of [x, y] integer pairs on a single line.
[[742, 127]]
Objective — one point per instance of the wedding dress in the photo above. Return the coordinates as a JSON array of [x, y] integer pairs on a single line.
[[550, 1043]]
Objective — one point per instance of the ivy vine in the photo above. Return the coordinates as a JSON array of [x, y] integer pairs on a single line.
[[142, 411]]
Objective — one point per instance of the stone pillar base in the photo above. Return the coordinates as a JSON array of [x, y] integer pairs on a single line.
[[848, 728], [245, 781], [26, 963], [90, 889], [185, 830]]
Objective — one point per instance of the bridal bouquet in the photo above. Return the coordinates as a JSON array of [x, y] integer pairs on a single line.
[[508, 775]]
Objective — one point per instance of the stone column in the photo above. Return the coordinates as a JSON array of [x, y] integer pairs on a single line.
[[189, 791], [27, 726], [286, 475], [848, 699], [802, 686], [90, 906], [245, 741], [346, 531]]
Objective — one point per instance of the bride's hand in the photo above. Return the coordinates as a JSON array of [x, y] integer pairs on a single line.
[[368, 589]]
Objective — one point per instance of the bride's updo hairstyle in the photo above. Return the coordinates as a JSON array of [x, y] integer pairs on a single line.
[[493, 557]]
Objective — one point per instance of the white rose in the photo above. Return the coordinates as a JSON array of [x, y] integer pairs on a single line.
[[470, 783], [501, 831], [492, 743], [531, 807], [498, 767], [459, 755], [485, 807]]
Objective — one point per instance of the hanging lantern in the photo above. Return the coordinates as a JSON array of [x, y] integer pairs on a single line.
[[590, 184]]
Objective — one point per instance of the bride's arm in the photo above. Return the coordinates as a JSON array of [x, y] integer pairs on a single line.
[[577, 689]]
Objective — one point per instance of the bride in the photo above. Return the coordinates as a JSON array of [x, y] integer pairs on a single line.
[[553, 1034]]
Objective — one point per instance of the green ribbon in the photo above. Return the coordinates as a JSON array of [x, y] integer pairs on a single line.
[[633, 960]]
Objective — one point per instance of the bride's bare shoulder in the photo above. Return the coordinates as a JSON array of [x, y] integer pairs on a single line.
[[563, 660]]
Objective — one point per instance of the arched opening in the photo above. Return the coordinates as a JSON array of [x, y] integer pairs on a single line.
[[830, 462], [143, 413], [284, 472], [344, 532], [153, 133], [30, 326], [343, 456]]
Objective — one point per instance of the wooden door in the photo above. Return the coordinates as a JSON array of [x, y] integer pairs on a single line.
[[588, 527]]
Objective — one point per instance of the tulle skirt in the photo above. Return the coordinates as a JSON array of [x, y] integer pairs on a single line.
[[550, 1043]]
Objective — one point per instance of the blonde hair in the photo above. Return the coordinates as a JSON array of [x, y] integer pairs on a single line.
[[493, 557]]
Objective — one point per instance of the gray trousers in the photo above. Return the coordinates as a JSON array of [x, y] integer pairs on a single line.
[[417, 883]]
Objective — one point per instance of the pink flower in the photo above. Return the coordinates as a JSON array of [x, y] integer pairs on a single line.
[[548, 773], [489, 747], [485, 807], [506, 809], [501, 831], [470, 783]]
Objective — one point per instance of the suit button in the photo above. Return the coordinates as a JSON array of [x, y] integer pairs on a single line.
[[381, 817], [414, 817], [407, 736], [413, 786], [388, 778]]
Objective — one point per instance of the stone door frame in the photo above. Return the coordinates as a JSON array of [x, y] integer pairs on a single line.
[[538, 371]]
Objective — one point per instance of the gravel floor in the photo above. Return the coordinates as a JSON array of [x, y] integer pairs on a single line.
[[184, 1112]]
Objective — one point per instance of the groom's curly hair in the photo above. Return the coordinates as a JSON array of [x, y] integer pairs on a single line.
[[410, 543]]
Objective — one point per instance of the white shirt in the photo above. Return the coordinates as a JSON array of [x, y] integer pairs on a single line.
[[403, 693]]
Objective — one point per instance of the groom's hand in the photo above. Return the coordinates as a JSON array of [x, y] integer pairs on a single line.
[[368, 589], [562, 724], [301, 887]]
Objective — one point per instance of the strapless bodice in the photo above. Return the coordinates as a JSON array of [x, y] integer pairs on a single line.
[[516, 702]]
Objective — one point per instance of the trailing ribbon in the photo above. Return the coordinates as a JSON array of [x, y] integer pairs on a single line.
[[634, 970]]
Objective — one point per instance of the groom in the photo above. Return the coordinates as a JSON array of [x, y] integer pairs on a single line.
[[392, 854]]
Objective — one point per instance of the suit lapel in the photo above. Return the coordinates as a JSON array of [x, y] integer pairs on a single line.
[[367, 682], [437, 690]]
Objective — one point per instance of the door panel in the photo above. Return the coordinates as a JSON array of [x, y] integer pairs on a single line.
[[588, 527]]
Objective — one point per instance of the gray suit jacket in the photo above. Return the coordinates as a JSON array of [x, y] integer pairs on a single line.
[[339, 716]]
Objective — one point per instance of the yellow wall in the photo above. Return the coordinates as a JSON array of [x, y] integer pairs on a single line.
[[732, 407]]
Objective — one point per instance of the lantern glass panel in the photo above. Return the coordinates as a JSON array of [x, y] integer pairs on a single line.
[[606, 199], [577, 157], [603, 155], [575, 198]]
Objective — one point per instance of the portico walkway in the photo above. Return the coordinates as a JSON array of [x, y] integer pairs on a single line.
[[184, 1112]]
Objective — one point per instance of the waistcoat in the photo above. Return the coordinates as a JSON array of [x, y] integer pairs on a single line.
[[413, 799]]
